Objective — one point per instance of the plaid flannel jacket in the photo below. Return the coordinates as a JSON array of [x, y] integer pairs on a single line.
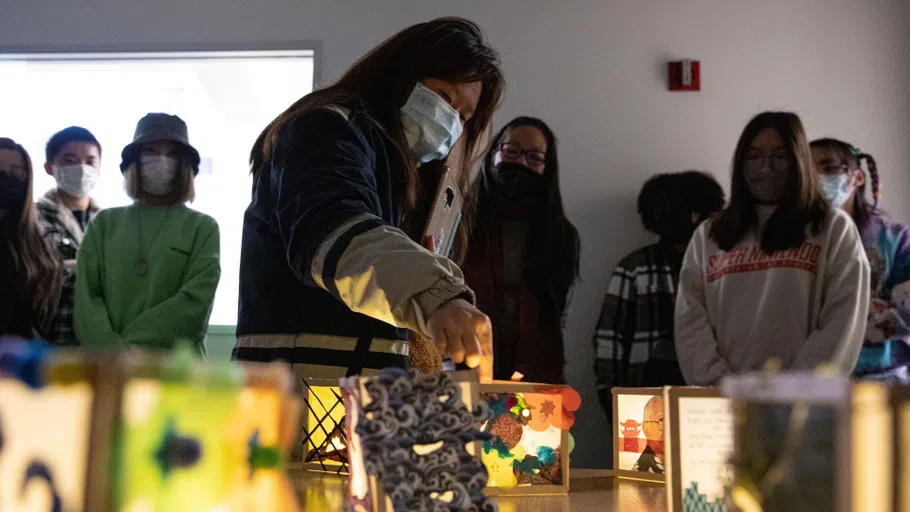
[[64, 233], [636, 322]]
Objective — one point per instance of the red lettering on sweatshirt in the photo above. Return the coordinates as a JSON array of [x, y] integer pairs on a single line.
[[751, 258]]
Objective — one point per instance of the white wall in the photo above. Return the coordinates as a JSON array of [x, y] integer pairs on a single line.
[[594, 70]]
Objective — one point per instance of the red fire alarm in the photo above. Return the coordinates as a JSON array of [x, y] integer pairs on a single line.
[[684, 75]]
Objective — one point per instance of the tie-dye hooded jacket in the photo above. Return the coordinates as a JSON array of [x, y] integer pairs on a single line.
[[887, 345]]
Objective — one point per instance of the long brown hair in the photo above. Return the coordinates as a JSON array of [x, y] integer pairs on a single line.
[[451, 49], [555, 247], [34, 265], [802, 209]]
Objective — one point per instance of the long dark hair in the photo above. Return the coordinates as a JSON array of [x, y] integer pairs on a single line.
[[554, 244], [451, 49], [852, 157], [803, 209], [33, 265]]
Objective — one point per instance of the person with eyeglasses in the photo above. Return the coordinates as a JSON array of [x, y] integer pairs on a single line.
[[522, 258], [778, 275], [886, 351], [651, 459]]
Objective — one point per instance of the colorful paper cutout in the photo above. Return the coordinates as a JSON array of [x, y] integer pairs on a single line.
[[529, 436], [173, 452]]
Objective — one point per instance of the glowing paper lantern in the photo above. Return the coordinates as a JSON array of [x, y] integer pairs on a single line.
[[638, 440], [902, 459], [528, 450], [325, 436], [411, 442], [832, 443], [44, 445], [263, 427], [699, 446], [173, 454]]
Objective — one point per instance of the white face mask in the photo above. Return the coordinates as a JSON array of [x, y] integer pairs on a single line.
[[837, 188], [156, 174], [430, 124], [76, 180]]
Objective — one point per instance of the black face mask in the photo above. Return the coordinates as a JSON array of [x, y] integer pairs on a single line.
[[517, 181], [12, 194], [677, 229]]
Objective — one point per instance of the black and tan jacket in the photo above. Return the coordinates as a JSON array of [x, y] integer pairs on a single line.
[[328, 281], [64, 232]]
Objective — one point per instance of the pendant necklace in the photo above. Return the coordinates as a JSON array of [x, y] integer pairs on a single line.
[[142, 263]]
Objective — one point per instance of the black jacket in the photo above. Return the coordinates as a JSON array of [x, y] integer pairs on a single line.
[[324, 270]]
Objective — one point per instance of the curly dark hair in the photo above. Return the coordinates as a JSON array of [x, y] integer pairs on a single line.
[[694, 191]]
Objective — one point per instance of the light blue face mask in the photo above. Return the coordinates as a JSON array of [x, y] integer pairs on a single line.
[[837, 188], [430, 124]]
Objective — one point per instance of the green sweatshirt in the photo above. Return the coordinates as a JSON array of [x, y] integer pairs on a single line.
[[116, 305]]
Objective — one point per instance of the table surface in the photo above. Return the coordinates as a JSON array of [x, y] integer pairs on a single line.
[[591, 490]]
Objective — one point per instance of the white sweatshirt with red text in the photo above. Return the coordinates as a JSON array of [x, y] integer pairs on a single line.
[[736, 310]]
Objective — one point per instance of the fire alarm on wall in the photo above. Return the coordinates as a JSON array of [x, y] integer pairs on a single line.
[[684, 75]]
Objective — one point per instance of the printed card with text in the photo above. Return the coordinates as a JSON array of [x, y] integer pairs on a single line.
[[699, 448]]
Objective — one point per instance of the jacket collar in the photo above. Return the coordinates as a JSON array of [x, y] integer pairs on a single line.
[[52, 202]]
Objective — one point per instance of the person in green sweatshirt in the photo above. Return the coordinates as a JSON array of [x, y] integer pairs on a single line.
[[147, 273]]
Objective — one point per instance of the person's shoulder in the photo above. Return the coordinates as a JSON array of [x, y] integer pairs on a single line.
[[111, 214], [638, 257], [324, 126], [326, 118], [837, 221], [893, 228], [197, 217]]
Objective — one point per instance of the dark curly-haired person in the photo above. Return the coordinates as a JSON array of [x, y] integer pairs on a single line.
[[634, 338]]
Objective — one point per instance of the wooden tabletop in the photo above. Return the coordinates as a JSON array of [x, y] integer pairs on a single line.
[[591, 490]]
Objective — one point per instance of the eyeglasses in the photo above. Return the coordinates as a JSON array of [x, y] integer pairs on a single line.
[[513, 151], [779, 162], [834, 169], [660, 423]]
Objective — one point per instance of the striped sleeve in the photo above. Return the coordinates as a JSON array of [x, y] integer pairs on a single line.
[[615, 329], [328, 212]]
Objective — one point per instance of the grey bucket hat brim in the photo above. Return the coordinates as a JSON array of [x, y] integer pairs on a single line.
[[154, 128]]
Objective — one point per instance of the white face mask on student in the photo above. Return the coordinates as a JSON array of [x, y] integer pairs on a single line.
[[77, 180], [430, 124], [837, 188], [157, 173]]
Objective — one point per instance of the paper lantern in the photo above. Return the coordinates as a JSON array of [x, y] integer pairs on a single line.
[[811, 442], [698, 430], [44, 445], [528, 450], [325, 435], [263, 427], [412, 442], [172, 449], [638, 440], [902, 458]]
